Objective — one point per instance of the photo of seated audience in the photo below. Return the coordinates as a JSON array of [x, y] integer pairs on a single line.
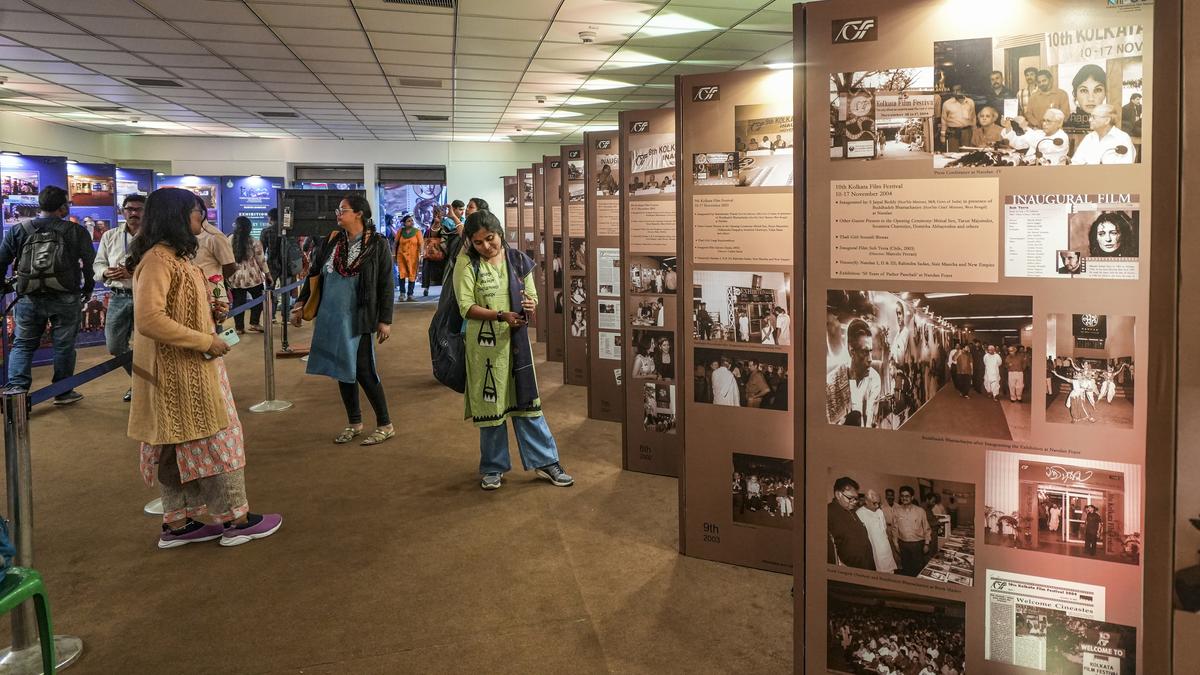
[[874, 631], [764, 491]]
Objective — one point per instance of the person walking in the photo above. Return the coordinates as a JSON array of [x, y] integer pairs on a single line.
[[353, 270], [408, 255], [183, 411], [109, 268], [433, 251], [490, 280], [247, 280]]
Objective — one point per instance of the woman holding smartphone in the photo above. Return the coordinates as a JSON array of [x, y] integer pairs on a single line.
[[490, 280], [183, 411]]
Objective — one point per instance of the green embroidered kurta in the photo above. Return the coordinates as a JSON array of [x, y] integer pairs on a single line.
[[491, 390]]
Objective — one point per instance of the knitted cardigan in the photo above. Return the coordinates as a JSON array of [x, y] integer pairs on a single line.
[[176, 391]]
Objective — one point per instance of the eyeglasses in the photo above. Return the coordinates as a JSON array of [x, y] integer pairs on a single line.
[[198, 210], [134, 209], [339, 211]]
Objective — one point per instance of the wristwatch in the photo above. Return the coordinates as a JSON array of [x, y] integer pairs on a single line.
[[500, 316]]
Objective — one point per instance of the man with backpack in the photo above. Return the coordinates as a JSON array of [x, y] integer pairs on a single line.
[[52, 259]]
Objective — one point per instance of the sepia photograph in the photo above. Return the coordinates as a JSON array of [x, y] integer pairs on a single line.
[[652, 165], [741, 378], [653, 274], [658, 407], [608, 178], [1089, 370], [877, 630], [764, 144], [654, 355], [749, 307], [882, 114], [764, 491]]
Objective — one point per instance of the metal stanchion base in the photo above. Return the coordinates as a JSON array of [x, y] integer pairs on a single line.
[[154, 507], [67, 650], [270, 406]]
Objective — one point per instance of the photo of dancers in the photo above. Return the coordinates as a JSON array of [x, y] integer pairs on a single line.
[[747, 379], [930, 362], [764, 491], [877, 630], [658, 407], [1090, 369], [654, 358], [749, 307], [902, 525]]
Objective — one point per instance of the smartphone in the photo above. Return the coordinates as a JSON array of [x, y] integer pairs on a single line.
[[229, 336]]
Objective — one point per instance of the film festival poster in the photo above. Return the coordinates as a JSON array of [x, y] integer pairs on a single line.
[[1067, 236], [761, 156], [1090, 370], [652, 164], [901, 525], [20, 191], [741, 378], [1084, 509], [1069, 96], [935, 363], [872, 627], [882, 114], [658, 407], [764, 491], [746, 307], [608, 179]]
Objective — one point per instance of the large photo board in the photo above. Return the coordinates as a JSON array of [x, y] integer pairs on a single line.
[[552, 253], [573, 260], [602, 200]]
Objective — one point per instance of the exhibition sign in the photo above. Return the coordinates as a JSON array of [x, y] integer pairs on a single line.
[[644, 351], [978, 292], [207, 188], [93, 192], [537, 231], [527, 240], [552, 240], [735, 307], [511, 227], [604, 271], [573, 260], [130, 182], [403, 198], [249, 196]]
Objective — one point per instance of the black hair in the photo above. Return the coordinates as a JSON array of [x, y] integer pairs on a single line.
[[844, 482], [273, 215], [359, 204], [1090, 71], [481, 203], [166, 221], [135, 197], [242, 249], [458, 204], [997, 72], [1124, 225], [908, 489], [856, 329], [1029, 68], [52, 198], [481, 220], [1049, 75]]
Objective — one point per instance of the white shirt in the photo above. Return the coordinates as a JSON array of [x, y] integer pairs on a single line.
[[877, 531], [991, 366], [114, 248], [1031, 141], [725, 387], [1095, 150], [864, 394], [784, 323]]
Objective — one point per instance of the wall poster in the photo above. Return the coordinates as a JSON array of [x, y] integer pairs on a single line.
[[253, 197], [602, 201], [978, 293], [527, 238], [129, 182], [574, 260], [207, 188], [535, 238], [511, 227], [735, 307], [645, 180], [552, 242]]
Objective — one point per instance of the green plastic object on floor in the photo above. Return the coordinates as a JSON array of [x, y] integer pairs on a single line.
[[19, 584]]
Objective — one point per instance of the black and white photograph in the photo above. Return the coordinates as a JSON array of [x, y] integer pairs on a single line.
[[578, 290], [653, 274], [650, 312], [748, 307], [715, 168], [1041, 99], [1078, 236], [763, 142], [576, 191], [1089, 370], [579, 325], [953, 363], [556, 265], [1075, 507], [609, 315], [1071, 645], [764, 491], [578, 254], [895, 524], [608, 178], [741, 378], [654, 355], [658, 407], [882, 114], [575, 170], [652, 165], [877, 630], [527, 189]]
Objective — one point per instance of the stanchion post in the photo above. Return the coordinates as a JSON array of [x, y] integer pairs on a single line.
[[25, 656], [270, 404]]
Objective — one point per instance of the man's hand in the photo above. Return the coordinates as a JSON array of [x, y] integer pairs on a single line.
[[383, 332], [116, 274]]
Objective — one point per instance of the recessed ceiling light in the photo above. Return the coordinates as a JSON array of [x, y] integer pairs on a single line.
[[781, 66], [11, 153]]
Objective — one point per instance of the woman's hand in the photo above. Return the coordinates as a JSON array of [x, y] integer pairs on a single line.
[[296, 317], [217, 347], [383, 332], [527, 303], [513, 320]]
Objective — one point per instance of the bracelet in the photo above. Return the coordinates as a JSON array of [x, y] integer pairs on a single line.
[[499, 316]]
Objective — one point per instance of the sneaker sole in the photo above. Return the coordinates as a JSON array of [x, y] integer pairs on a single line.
[[176, 543], [543, 474], [488, 486], [74, 400], [240, 539]]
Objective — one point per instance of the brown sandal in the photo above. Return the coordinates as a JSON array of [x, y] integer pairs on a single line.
[[378, 436], [347, 435]]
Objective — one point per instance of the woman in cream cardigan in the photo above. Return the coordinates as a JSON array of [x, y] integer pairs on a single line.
[[183, 412]]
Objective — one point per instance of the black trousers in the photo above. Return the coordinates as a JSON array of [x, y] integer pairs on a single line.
[[368, 379], [240, 297]]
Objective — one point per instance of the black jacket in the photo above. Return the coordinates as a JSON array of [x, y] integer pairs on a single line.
[[376, 283]]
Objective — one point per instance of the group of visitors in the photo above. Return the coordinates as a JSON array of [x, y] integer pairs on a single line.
[[740, 382], [884, 536], [989, 370]]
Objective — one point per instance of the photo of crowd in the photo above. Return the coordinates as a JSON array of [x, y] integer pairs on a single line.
[[902, 525], [1038, 100], [652, 164], [764, 491], [658, 407], [750, 307], [653, 274], [1070, 645], [882, 114], [1090, 369], [747, 379], [20, 182], [654, 357], [929, 362], [884, 632], [575, 170]]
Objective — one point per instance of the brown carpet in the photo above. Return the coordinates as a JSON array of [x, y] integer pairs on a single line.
[[390, 559]]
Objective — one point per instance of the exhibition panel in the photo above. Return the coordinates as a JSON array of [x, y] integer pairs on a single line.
[[649, 279], [249, 196], [734, 311], [602, 196], [552, 253], [207, 188], [978, 288], [538, 231], [132, 181], [527, 237], [572, 259], [510, 223]]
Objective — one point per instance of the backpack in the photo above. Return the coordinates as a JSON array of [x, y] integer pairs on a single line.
[[434, 249], [45, 263], [447, 338]]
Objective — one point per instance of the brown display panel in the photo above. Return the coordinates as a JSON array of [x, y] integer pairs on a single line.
[[602, 196], [573, 261], [511, 219], [527, 233], [552, 241], [1016, 476], [736, 241], [545, 301], [649, 242]]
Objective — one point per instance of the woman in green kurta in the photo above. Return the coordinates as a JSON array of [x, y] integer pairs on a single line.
[[490, 279]]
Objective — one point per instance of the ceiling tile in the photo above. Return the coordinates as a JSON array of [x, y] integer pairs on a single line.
[[34, 22], [409, 57], [418, 72], [323, 37], [124, 27], [568, 32], [779, 22], [282, 76], [207, 73], [342, 18], [227, 32], [747, 40], [175, 49], [616, 12], [525, 9], [346, 67], [416, 23], [489, 47], [422, 43], [267, 50], [130, 71], [577, 52], [479, 27]]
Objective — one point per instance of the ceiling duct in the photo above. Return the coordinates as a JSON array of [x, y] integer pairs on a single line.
[[277, 113], [421, 82], [153, 82], [434, 118], [445, 4]]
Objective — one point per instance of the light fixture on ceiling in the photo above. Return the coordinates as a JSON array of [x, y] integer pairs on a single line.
[[10, 153], [71, 161], [159, 173], [780, 66], [587, 37], [134, 120]]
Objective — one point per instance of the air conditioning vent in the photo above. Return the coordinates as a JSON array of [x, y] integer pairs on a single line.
[[447, 4], [103, 108], [278, 113], [434, 118], [418, 82], [153, 82]]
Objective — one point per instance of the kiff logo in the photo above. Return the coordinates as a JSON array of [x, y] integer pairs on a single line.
[[708, 93], [603, 144], [639, 127], [863, 29], [573, 154]]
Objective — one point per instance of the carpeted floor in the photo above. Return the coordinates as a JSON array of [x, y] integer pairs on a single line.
[[390, 559]]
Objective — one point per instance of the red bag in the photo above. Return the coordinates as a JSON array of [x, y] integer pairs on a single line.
[[434, 249]]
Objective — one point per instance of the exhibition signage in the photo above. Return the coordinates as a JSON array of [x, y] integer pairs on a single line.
[[648, 283], [537, 231], [605, 274], [552, 238], [527, 240], [977, 274], [129, 182], [250, 196], [573, 260], [207, 188], [92, 189], [735, 304], [511, 227]]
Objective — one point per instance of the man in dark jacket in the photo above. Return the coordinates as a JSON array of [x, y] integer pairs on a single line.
[[849, 543]]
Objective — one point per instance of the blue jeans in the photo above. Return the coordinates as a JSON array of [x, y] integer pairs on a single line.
[[32, 312], [534, 441], [118, 325]]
